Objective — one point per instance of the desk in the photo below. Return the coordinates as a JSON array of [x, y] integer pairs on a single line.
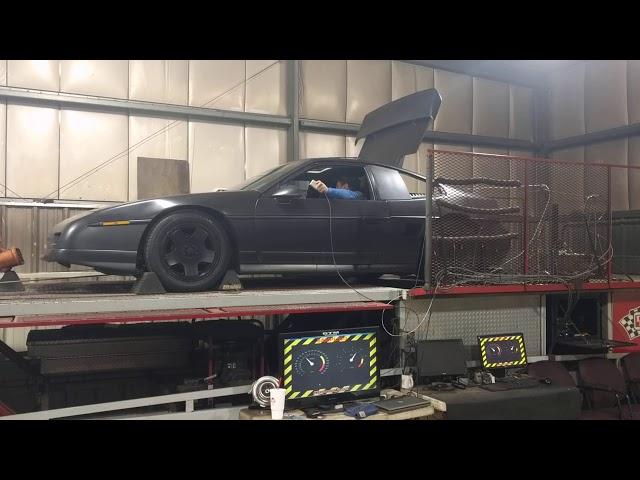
[[415, 414], [546, 402]]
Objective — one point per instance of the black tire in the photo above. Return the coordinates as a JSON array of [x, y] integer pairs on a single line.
[[189, 251]]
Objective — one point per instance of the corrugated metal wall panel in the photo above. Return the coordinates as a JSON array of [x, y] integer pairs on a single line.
[[163, 81], [217, 84], [40, 74], [323, 86], [605, 92], [107, 78], [20, 233], [47, 219]]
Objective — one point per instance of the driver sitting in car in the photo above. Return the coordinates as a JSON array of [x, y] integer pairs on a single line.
[[342, 190]]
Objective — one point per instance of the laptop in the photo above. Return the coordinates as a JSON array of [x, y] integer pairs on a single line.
[[398, 404]]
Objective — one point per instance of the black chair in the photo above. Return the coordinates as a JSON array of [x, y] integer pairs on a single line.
[[631, 368], [605, 389], [559, 375]]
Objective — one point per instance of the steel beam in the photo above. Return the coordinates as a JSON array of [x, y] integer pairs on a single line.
[[430, 136], [593, 137], [293, 89], [53, 304], [132, 107]]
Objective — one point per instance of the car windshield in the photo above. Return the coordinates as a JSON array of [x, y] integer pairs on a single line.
[[258, 181]]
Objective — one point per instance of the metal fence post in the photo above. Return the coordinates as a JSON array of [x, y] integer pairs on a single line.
[[428, 221]]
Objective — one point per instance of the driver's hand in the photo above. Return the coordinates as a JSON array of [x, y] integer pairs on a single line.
[[318, 185]]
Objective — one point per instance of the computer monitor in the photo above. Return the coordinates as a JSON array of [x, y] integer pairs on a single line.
[[329, 367], [502, 351], [441, 358]]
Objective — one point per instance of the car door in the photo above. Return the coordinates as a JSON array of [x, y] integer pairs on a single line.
[[404, 225], [294, 227]]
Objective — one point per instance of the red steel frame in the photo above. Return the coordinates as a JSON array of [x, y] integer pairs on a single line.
[[601, 286]]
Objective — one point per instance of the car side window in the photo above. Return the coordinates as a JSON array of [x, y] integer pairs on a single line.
[[390, 185], [330, 175]]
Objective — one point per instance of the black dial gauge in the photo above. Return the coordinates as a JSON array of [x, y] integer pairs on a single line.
[[354, 356], [311, 362]]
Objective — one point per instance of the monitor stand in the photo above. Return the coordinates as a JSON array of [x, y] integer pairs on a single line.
[[499, 372]]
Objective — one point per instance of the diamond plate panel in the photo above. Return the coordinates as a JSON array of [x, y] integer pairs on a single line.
[[468, 317]]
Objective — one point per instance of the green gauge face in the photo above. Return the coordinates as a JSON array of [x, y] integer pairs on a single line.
[[311, 362], [354, 356]]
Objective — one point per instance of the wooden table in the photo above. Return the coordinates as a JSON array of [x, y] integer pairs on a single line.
[[415, 414]]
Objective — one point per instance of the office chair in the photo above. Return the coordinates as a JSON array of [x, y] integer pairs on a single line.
[[605, 388], [631, 368]]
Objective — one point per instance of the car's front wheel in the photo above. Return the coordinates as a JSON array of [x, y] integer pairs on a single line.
[[189, 251]]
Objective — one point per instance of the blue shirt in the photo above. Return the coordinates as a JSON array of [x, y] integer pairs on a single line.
[[344, 194]]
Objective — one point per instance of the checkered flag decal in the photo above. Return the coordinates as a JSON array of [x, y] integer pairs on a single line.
[[631, 322]]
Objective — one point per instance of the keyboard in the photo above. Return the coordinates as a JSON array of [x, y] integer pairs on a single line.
[[512, 383]]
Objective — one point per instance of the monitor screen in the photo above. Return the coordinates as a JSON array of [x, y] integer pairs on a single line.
[[441, 358], [502, 350], [330, 366]]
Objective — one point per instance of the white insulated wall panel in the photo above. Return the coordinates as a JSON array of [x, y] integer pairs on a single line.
[[611, 153], [265, 148], [266, 87], [368, 87], [490, 108], [605, 94], [39, 74], [520, 112], [634, 173], [91, 140], [105, 78], [32, 150], [217, 84], [424, 78], [570, 188], [3, 147], [460, 166], [318, 145], [353, 149], [154, 138], [163, 81], [456, 112], [566, 101], [216, 156], [403, 79], [3, 72], [633, 91], [324, 89]]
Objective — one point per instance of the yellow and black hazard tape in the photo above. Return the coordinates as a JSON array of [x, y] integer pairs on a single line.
[[353, 337]]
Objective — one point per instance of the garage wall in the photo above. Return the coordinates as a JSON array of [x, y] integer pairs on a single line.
[[345, 90], [64, 144], [593, 96]]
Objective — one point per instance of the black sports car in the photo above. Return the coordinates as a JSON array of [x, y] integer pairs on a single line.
[[277, 223]]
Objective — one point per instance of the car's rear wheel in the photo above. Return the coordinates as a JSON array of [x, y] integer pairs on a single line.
[[189, 251]]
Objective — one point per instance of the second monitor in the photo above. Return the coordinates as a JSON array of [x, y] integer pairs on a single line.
[[441, 359]]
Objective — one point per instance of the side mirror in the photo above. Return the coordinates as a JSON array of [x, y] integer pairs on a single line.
[[287, 197]]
